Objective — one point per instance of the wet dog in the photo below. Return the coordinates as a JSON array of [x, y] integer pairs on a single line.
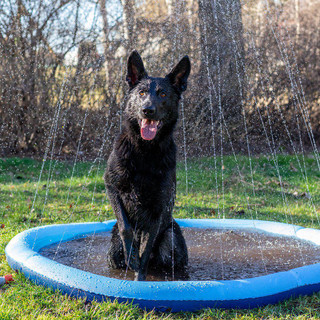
[[141, 173]]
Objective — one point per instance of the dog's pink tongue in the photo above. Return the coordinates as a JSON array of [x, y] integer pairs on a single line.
[[148, 129]]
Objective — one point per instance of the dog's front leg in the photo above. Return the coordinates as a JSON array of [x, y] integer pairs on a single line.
[[147, 239], [127, 235]]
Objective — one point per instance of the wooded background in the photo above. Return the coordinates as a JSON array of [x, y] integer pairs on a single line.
[[254, 82]]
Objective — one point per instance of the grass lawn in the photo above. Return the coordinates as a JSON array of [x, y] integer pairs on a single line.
[[64, 193]]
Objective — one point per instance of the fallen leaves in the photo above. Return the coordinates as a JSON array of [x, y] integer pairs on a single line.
[[277, 182], [239, 213], [233, 210], [306, 195], [293, 168]]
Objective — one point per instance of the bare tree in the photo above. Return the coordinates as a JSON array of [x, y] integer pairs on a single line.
[[297, 10], [106, 43], [223, 57], [34, 39], [40, 39], [129, 24]]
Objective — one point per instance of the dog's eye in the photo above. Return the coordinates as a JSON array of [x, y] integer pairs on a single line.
[[162, 94], [142, 93]]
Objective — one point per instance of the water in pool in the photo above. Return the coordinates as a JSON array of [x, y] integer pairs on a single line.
[[214, 254]]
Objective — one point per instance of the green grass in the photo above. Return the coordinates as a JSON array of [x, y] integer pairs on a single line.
[[67, 194]]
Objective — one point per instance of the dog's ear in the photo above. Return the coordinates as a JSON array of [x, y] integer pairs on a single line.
[[136, 69], [180, 73]]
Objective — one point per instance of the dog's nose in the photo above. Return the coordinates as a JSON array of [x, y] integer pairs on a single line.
[[149, 111]]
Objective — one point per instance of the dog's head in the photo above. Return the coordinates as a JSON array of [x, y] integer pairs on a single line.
[[152, 104]]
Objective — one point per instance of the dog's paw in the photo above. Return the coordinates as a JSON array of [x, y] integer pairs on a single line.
[[138, 276]]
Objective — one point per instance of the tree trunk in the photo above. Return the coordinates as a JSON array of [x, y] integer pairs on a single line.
[[222, 58], [105, 32], [297, 18], [129, 24], [169, 4]]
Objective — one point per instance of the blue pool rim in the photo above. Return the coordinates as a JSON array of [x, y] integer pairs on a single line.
[[22, 254]]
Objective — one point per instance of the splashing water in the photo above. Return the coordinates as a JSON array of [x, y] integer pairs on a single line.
[[219, 130]]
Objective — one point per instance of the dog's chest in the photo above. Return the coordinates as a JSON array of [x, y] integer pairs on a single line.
[[150, 174], [151, 187]]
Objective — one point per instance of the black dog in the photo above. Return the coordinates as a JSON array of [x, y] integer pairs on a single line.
[[141, 174]]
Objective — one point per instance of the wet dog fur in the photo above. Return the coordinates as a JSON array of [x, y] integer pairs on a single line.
[[141, 173]]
